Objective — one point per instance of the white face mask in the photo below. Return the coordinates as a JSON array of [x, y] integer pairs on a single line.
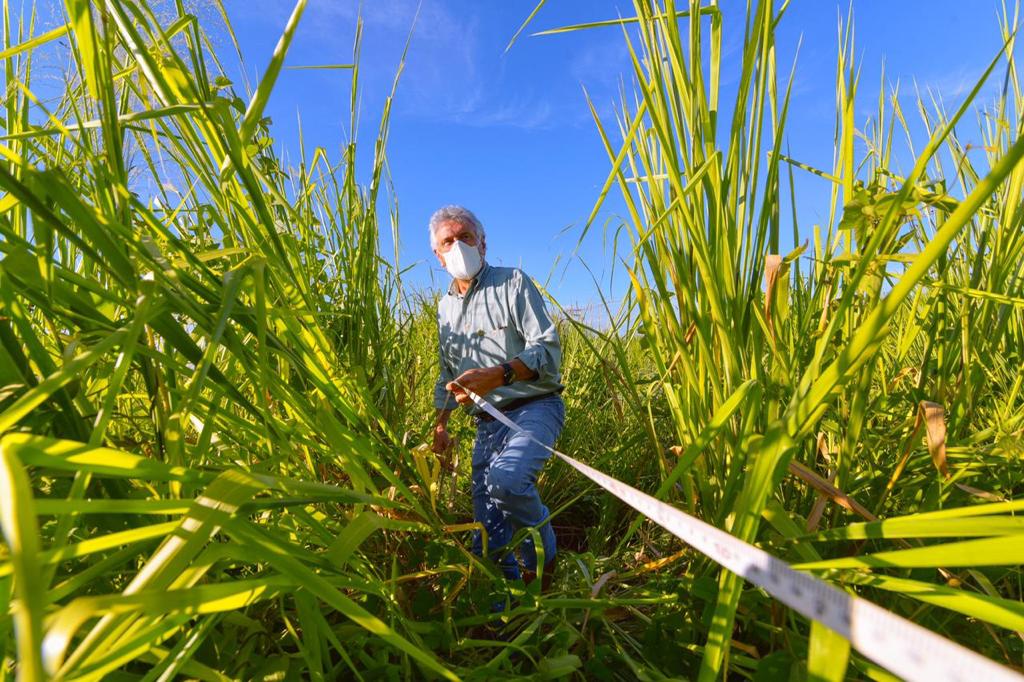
[[463, 261]]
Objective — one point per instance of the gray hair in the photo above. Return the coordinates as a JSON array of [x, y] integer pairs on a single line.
[[454, 214]]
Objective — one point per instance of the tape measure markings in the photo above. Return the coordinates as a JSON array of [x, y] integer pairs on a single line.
[[902, 647]]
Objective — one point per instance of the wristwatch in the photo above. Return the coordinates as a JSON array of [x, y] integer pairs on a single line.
[[510, 374]]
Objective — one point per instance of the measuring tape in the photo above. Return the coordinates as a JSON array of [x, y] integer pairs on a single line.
[[903, 648]]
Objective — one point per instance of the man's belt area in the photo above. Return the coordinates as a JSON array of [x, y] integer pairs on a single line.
[[514, 404]]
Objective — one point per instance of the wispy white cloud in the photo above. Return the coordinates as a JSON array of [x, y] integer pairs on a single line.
[[526, 113], [451, 74], [441, 79], [954, 85]]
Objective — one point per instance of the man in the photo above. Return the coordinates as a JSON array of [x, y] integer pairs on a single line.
[[497, 340]]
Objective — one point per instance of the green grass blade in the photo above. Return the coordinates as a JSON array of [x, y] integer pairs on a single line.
[[21, 535]]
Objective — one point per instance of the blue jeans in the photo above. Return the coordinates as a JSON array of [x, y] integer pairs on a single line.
[[505, 468]]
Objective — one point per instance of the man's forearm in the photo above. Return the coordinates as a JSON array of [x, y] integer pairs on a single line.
[[482, 381], [522, 371]]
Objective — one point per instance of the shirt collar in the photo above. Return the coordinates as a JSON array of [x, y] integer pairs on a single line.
[[453, 289]]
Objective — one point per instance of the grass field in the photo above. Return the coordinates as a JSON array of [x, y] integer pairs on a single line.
[[208, 471]]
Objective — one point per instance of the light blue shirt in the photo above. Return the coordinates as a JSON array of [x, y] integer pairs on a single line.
[[500, 317]]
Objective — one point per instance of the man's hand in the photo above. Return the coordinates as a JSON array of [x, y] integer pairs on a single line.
[[443, 442], [481, 381]]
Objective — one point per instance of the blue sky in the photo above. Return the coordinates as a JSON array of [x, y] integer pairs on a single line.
[[509, 134]]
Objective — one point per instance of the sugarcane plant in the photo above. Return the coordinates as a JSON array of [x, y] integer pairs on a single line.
[[214, 384], [804, 379]]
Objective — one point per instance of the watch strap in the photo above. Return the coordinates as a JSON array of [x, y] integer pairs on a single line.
[[509, 373]]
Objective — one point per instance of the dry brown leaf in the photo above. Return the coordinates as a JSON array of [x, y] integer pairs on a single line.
[[826, 488], [748, 649], [983, 494], [933, 415], [818, 510], [690, 333], [772, 266], [822, 445]]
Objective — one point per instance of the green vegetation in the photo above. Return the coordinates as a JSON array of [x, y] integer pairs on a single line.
[[207, 471]]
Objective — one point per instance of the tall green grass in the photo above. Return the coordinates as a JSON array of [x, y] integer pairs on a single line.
[[912, 293], [207, 470], [184, 350]]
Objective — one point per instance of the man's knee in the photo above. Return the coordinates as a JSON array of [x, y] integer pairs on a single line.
[[505, 485]]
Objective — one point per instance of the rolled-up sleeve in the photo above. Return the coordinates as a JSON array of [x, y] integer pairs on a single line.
[[543, 351], [443, 398]]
